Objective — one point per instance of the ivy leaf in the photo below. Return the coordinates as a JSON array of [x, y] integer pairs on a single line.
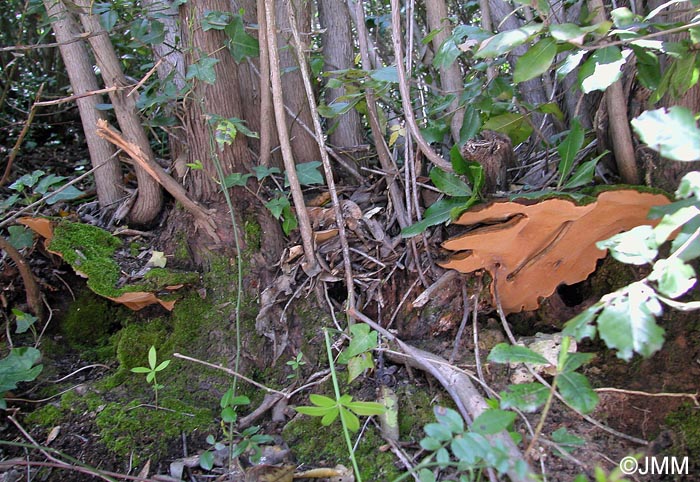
[[24, 320], [18, 366], [493, 421], [237, 179], [628, 322], [277, 205], [536, 61], [20, 237], [505, 353], [203, 70], [577, 391], [527, 397], [308, 173], [215, 20], [673, 133], [363, 340], [241, 45]]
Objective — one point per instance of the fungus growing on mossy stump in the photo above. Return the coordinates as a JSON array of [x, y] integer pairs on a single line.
[[531, 248]]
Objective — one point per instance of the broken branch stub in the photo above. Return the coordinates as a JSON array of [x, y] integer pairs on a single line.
[[531, 249]]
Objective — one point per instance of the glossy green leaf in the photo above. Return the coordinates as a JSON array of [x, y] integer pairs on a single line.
[[502, 43], [527, 397], [567, 32], [637, 246], [584, 173], [570, 64], [691, 247], [471, 123], [505, 353], [536, 61], [449, 183], [493, 421], [437, 213], [577, 391], [568, 149], [602, 69], [672, 221], [513, 124], [673, 133], [628, 323]]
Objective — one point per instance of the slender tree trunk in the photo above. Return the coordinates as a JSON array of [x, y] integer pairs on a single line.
[[338, 53], [450, 77], [150, 197], [108, 180]]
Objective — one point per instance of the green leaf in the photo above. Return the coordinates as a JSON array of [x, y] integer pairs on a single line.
[[148, 31], [426, 475], [436, 213], [673, 133], [450, 418], [317, 411], [203, 70], [584, 173], [570, 63], [566, 440], [446, 54], [449, 183], [229, 415], [501, 43], [568, 150], [27, 180], [505, 353], [163, 365], [261, 172], [385, 74], [322, 400], [366, 408], [20, 237], [309, 173], [536, 61], [18, 367], [628, 323], [691, 250], [67, 194], [576, 360], [568, 32], [671, 222], [673, 277], [357, 365], [215, 20], [430, 444], [277, 205], [438, 431], [363, 340], [335, 109], [471, 123], [470, 448], [689, 186], [527, 397], [349, 419], [493, 421], [236, 179], [513, 124], [152, 357], [602, 69], [577, 391], [23, 320], [141, 370], [637, 246], [289, 220], [206, 460], [241, 45]]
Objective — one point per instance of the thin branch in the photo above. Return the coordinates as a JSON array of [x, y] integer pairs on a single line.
[[327, 169]]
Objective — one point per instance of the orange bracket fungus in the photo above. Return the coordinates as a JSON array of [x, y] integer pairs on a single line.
[[530, 249]]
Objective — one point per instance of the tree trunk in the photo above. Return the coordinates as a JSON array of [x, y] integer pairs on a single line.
[[108, 180], [150, 197], [304, 145], [338, 54], [450, 77]]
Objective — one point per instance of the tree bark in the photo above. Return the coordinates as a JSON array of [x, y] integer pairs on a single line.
[[108, 180], [338, 54], [450, 77], [150, 198]]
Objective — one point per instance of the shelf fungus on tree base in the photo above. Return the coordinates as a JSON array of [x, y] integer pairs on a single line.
[[531, 248]]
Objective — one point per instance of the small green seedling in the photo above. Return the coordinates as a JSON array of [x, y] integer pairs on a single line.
[[296, 363], [329, 409], [152, 370]]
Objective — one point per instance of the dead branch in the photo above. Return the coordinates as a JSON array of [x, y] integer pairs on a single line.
[[202, 217], [469, 401], [36, 304]]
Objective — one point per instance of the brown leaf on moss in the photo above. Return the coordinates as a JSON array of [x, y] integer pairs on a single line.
[[138, 300], [530, 250], [42, 226]]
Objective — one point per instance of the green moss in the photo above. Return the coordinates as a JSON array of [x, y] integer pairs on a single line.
[[89, 324], [46, 416], [253, 235], [315, 444], [685, 426]]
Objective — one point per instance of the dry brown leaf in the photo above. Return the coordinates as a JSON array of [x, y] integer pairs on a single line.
[[530, 250], [42, 226], [53, 434], [322, 236], [137, 300], [270, 473]]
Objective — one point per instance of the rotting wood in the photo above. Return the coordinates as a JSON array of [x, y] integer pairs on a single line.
[[202, 217], [531, 249], [459, 386]]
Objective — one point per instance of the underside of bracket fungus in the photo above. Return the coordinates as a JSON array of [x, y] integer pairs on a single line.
[[530, 249]]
